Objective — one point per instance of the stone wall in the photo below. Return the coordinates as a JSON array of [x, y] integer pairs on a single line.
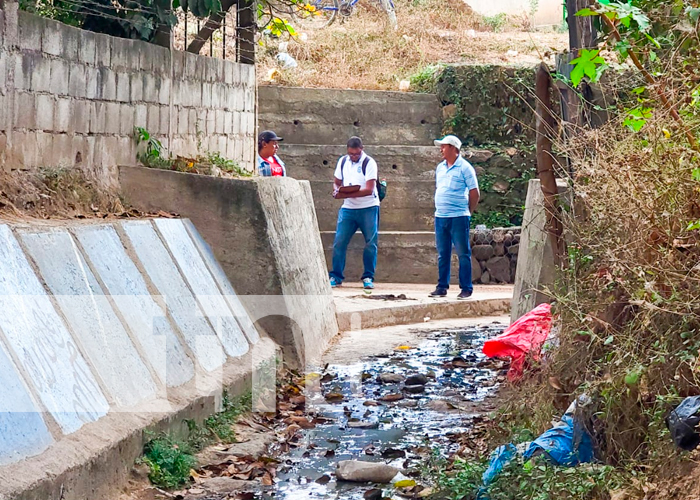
[[72, 98]]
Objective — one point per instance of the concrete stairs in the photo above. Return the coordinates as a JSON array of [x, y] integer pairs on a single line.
[[398, 130]]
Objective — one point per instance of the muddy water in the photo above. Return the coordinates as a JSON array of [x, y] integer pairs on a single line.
[[397, 433]]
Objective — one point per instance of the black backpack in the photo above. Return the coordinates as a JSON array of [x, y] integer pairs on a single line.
[[381, 185]]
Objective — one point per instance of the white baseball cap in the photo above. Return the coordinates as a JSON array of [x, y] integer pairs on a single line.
[[452, 140]]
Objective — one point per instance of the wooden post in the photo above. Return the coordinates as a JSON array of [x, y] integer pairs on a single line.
[[545, 163], [247, 12]]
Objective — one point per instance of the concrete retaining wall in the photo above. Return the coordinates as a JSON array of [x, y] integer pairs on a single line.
[[264, 233], [108, 329], [72, 98], [411, 257]]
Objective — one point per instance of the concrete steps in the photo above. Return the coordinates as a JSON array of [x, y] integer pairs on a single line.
[[409, 205], [395, 162], [329, 116]]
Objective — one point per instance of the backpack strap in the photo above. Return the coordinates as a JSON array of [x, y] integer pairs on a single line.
[[342, 167], [364, 165]]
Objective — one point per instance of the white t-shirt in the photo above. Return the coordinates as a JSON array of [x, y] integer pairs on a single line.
[[352, 176]]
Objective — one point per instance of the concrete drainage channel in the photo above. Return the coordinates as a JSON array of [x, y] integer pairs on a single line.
[[381, 418]]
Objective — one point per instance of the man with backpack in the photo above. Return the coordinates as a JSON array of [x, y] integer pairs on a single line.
[[360, 210]]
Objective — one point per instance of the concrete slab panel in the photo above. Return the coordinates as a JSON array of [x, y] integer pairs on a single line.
[[219, 275], [23, 432], [203, 285], [91, 317], [37, 335], [181, 304], [146, 320]]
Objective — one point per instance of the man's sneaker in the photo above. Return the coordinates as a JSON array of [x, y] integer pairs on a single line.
[[464, 295], [368, 285], [438, 292], [335, 282]]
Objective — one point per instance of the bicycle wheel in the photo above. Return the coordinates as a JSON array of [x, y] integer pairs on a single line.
[[315, 14]]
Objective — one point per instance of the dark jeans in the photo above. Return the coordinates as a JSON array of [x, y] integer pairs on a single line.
[[453, 231], [349, 221]]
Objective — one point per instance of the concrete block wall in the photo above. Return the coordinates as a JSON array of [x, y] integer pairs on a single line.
[[72, 98], [114, 327]]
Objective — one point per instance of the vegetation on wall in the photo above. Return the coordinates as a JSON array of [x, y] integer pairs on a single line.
[[490, 108]]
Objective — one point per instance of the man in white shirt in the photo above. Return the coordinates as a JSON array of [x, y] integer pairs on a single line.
[[359, 211]]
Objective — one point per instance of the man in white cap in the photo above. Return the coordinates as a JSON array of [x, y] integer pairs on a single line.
[[456, 198]]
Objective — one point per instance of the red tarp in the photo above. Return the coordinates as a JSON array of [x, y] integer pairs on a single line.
[[523, 337]]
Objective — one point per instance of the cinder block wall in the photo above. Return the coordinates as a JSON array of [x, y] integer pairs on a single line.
[[71, 97]]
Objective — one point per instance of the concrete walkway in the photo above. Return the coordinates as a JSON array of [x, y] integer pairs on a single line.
[[357, 311]]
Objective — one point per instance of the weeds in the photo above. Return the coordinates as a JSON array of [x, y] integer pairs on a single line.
[[171, 460], [152, 154], [497, 22]]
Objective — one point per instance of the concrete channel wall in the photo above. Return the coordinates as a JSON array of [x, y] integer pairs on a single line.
[[70, 97], [108, 329], [264, 233]]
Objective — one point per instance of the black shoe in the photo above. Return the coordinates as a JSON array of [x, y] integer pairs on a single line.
[[464, 295], [439, 292]]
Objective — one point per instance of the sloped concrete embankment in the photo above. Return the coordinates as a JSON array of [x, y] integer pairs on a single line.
[[264, 233], [108, 329]]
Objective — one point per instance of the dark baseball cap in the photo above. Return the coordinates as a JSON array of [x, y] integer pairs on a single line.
[[268, 135]]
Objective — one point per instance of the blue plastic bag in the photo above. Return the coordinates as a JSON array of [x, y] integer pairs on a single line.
[[567, 443]]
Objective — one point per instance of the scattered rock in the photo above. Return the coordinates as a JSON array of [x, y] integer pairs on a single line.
[[408, 403], [449, 111], [499, 269], [373, 494], [511, 151], [414, 389], [485, 278], [439, 405], [416, 379], [392, 453], [324, 479], [391, 397], [479, 170], [459, 362], [365, 472], [514, 249], [478, 155], [482, 252], [390, 378], [476, 270], [501, 186], [363, 425], [370, 403], [225, 485]]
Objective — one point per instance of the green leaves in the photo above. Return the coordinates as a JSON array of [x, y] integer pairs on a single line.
[[636, 118], [696, 174], [693, 13], [589, 64], [625, 13]]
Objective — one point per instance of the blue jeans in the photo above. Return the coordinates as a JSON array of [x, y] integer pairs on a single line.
[[453, 231], [349, 221]]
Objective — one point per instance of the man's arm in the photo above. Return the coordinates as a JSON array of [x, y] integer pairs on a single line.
[[473, 200], [367, 191]]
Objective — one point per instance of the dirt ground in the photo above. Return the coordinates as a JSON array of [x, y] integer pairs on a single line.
[[365, 53]]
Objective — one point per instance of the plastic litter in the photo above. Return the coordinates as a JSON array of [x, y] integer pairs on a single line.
[[566, 444], [286, 61], [523, 337], [683, 421]]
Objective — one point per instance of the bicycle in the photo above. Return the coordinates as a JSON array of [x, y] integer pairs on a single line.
[[318, 14]]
